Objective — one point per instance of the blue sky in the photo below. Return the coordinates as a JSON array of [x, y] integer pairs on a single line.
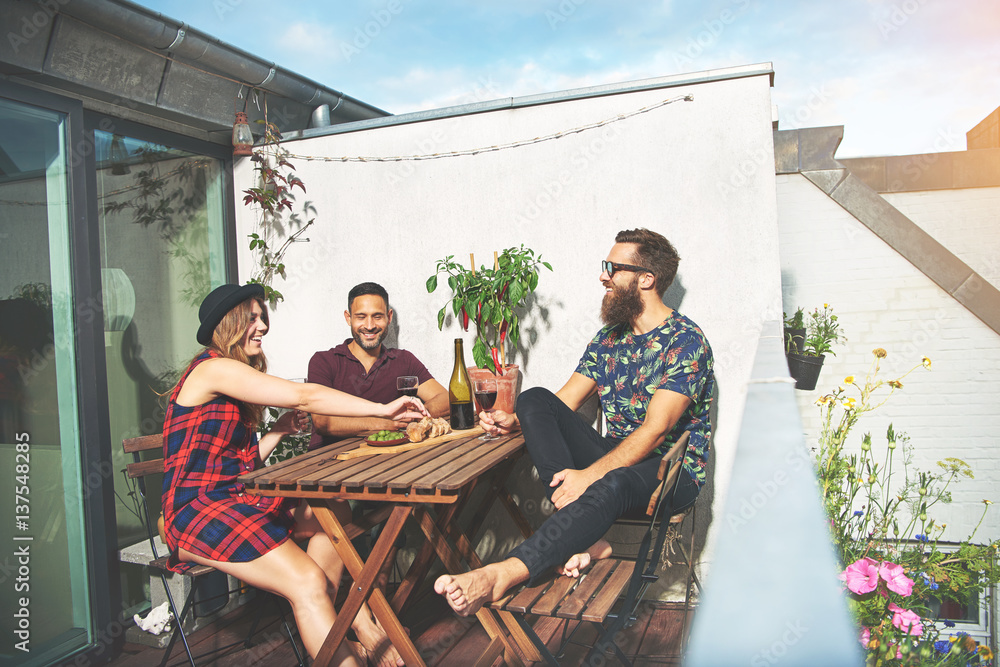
[[903, 76]]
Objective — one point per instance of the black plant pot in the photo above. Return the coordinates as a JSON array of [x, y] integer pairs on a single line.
[[805, 370], [795, 340]]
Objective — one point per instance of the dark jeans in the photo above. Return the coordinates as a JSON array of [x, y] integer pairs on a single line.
[[557, 438]]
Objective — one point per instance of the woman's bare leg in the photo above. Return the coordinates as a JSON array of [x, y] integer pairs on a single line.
[[289, 572], [373, 638]]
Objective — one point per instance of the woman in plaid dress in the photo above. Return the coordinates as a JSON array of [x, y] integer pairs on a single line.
[[210, 440]]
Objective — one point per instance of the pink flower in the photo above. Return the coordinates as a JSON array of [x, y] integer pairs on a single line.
[[861, 576], [866, 636], [906, 620], [895, 580]]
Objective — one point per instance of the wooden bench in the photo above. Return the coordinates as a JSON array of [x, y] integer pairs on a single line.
[[593, 596]]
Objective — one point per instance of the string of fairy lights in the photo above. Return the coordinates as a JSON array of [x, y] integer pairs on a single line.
[[493, 149], [427, 156]]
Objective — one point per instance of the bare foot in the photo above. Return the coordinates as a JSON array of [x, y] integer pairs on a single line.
[[377, 647], [600, 549], [468, 592], [575, 563]]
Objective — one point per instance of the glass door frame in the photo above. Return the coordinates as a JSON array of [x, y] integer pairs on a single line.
[[91, 387], [97, 483]]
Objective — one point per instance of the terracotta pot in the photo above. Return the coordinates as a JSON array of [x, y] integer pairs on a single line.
[[805, 370], [508, 386]]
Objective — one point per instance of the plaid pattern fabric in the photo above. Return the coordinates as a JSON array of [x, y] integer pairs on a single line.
[[205, 510]]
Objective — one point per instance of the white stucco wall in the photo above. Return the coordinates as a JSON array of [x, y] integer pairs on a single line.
[[827, 256], [692, 171]]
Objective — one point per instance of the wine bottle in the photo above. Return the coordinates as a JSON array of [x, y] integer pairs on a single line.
[[463, 416]]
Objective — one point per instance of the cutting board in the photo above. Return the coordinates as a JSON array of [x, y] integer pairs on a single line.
[[365, 450]]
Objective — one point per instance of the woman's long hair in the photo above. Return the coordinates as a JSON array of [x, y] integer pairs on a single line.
[[227, 340]]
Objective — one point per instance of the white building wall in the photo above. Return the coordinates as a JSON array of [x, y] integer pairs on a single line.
[[828, 256], [698, 172], [965, 221]]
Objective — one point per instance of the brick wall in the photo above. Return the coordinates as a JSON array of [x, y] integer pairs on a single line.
[[966, 221], [827, 256]]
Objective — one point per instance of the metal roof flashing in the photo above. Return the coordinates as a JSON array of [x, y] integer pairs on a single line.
[[672, 81]]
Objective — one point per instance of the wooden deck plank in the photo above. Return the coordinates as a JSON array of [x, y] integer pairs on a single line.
[[443, 639]]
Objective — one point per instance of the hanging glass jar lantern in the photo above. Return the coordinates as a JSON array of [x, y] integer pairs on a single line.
[[242, 138]]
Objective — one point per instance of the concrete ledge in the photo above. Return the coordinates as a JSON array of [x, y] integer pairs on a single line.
[[180, 587]]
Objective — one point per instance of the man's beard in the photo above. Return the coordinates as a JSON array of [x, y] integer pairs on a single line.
[[363, 344], [622, 305]]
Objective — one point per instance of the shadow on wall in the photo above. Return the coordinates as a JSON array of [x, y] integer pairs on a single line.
[[675, 294]]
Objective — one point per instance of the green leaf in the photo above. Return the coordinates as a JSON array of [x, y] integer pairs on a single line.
[[440, 319], [481, 354], [432, 283], [456, 306], [452, 281], [516, 292], [533, 280], [547, 265]]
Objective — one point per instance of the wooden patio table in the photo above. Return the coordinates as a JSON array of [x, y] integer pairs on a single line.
[[404, 485]]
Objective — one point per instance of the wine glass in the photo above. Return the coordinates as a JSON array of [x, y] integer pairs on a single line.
[[407, 385], [486, 396]]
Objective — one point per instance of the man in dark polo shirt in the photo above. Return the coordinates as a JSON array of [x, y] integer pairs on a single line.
[[362, 366]]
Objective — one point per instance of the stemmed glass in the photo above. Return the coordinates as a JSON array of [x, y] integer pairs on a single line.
[[486, 396], [407, 385]]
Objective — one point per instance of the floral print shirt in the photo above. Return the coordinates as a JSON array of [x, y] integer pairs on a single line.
[[629, 368]]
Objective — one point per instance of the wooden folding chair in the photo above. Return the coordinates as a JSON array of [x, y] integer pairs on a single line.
[[138, 470], [592, 597]]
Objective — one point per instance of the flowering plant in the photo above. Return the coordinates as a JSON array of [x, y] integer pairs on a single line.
[[822, 331], [887, 544]]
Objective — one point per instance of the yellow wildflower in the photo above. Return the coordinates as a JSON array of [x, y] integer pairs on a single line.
[[926, 362], [985, 653], [880, 352], [849, 379], [895, 384], [848, 403], [822, 400], [987, 502]]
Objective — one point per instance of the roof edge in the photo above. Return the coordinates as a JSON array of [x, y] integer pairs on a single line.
[[675, 80]]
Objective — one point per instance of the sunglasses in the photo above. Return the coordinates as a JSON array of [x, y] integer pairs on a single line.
[[611, 267]]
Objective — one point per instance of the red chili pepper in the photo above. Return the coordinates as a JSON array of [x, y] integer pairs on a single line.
[[503, 332], [479, 311], [465, 319], [495, 353], [503, 291]]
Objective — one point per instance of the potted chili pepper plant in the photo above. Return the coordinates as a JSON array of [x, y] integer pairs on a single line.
[[489, 298]]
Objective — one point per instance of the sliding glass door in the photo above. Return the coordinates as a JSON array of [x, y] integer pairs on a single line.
[[45, 602]]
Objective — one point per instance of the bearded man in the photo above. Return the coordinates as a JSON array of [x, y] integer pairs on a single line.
[[364, 367], [651, 367]]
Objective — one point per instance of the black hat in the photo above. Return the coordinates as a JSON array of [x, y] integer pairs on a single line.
[[219, 302]]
